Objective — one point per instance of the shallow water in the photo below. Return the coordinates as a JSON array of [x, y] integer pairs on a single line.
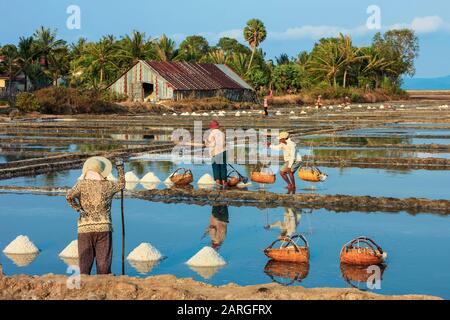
[[432, 184], [367, 152], [368, 140], [417, 262]]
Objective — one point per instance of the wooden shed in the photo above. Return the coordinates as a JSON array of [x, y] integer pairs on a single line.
[[155, 81]]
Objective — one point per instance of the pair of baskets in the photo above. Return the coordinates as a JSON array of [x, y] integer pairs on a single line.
[[182, 177], [362, 251], [311, 174], [289, 250], [267, 177]]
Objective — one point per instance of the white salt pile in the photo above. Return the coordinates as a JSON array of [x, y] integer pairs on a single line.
[[206, 179], [131, 185], [111, 178], [131, 177], [150, 185], [21, 245], [71, 251], [206, 257], [150, 177], [168, 182], [145, 252]]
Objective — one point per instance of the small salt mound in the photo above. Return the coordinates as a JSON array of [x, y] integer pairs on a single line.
[[21, 245], [206, 257], [111, 178], [168, 182], [131, 177], [145, 252], [71, 251], [150, 185], [206, 179], [150, 177]]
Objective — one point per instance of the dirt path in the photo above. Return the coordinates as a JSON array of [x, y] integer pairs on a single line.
[[167, 287]]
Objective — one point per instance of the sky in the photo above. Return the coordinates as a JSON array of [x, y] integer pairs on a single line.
[[292, 25]]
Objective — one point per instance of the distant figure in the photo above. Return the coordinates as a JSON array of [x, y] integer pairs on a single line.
[[288, 227], [266, 107], [217, 150], [218, 226], [91, 197], [319, 101], [347, 101], [292, 160]]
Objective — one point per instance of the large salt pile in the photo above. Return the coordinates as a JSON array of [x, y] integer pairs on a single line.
[[206, 179], [145, 252], [71, 251], [150, 177], [21, 245], [131, 177], [206, 257]]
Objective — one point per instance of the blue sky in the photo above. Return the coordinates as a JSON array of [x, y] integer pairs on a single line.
[[293, 25]]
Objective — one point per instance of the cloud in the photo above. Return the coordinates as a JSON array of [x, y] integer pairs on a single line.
[[317, 32], [428, 24]]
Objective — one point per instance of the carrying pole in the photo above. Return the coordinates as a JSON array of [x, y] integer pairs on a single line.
[[123, 232]]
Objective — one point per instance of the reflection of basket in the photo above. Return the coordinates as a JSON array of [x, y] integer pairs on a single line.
[[353, 253], [357, 273], [263, 177], [289, 250], [287, 270], [311, 174], [182, 179]]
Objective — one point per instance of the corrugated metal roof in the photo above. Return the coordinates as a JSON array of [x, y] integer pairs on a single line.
[[196, 76]]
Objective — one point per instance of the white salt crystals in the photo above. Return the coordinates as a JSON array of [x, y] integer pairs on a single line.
[[21, 245], [145, 252], [71, 251], [150, 178], [206, 257], [131, 177], [206, 179]]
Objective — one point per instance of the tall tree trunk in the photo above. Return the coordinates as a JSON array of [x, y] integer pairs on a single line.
[[251, 59], [345, 79]]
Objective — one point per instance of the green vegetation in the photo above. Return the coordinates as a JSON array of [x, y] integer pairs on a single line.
[[334, 67]]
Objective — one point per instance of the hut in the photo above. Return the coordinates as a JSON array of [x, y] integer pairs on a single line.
[[156, 81]]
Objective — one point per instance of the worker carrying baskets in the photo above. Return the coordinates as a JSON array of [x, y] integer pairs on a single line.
[[292, 159]]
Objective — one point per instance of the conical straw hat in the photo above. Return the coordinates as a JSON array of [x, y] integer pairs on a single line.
[[105, 165]]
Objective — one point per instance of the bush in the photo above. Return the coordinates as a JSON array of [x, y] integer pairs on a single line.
[[61, 100], [27, 102]]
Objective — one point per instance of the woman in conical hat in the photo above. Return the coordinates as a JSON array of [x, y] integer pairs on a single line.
[[91, 197]]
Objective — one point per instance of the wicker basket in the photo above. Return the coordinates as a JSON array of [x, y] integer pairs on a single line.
[[362, 251], [182, 179], [233, 178], [289, 251], [291, 271], [263, 177], [311, 174]]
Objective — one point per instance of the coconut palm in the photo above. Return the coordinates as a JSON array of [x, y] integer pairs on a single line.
[[27, 54], [327, 61], [283, 59], [350, 54], [135, 47], [254, 33], [217, 56], [47, 44], [164, 49], [193, 48], [239, 62]]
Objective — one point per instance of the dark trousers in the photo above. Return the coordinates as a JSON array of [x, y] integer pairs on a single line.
[[219, 166], [96, 245]]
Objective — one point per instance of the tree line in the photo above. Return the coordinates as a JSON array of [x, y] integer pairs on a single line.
[[333, 63]]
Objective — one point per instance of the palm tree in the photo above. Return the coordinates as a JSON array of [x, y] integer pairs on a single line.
[[239, 62], [327, 61], [11, 64], [350, 54], [27, 54], [193, 48], [374, 65], [254, 33], [47, 44], [77, 48], [164, 49], [283, 59], [136, 47], [217, 56]]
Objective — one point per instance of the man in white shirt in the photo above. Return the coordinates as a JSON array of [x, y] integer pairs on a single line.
[[292, 160], [217, 151]]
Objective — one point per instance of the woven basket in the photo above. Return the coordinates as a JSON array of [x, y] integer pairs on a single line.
[[182, 179], [233, 178], [289, 251], [369, 254], [263, 177], [311, 174], [294, 272]]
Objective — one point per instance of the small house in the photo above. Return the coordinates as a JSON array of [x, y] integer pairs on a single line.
[[156, 81]]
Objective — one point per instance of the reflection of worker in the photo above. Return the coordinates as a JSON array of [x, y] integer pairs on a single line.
[[288, 226], [292, 160], [218, 226]]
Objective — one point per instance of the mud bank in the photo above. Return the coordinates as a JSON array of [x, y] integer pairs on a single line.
[[259, 199], [167, 287]]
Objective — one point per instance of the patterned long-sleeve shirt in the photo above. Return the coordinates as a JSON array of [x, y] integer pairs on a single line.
[[92, 198]]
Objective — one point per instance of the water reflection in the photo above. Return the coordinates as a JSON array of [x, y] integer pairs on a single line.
[[288, 226], [286, 273], [144, 267], [218, 226], [357, 276], [22, 260]]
